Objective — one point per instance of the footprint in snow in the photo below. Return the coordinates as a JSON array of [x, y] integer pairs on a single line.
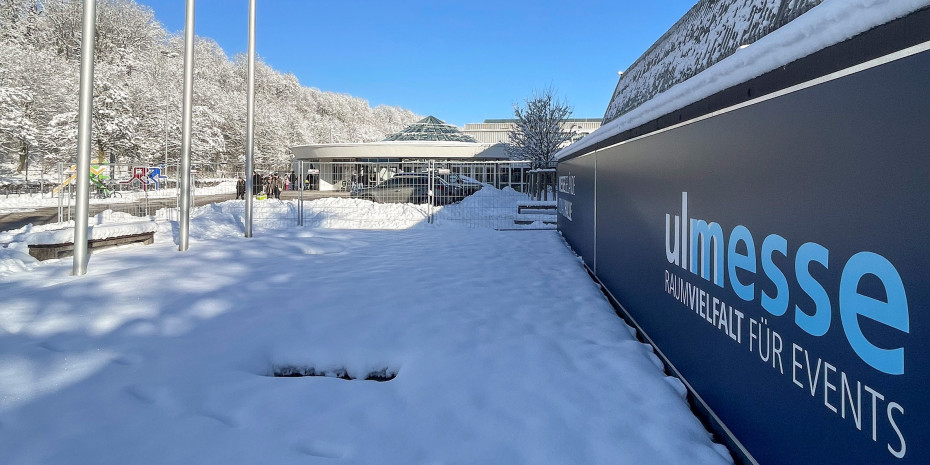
[[326, 451]]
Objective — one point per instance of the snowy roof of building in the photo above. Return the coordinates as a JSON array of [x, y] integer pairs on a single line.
[[680, 77], [711, 31], [430, 129]]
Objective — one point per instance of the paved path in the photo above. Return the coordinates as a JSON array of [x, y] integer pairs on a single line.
[[49, 215]]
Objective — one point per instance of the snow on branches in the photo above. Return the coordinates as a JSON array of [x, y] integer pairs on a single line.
[[537, 133], [137, 93]]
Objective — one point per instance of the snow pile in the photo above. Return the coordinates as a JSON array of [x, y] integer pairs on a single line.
[[505, 352], [103, 231], [106, 224], [494, 208], [489, 208], [14, 244], [16, 258], [829, 23], [339, 213]]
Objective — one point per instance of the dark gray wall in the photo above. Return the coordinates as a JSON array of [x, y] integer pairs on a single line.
[[840, 172]]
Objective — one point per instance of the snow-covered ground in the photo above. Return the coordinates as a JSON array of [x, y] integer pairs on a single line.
[[504, 350]]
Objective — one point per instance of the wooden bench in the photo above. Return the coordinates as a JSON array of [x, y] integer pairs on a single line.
[[50, 251]]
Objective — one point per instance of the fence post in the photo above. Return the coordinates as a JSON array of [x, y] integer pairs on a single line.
[[431, 185], [536, 189], [300, 192]]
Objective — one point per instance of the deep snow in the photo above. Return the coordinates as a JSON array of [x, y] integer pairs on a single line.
[[505, 351]]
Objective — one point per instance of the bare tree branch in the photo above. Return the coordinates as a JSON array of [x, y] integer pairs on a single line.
[[537, 133]]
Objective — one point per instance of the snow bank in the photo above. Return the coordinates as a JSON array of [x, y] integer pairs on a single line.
[[488, 208], [106, 231]]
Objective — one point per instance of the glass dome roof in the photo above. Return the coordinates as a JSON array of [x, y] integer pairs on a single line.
[[430, 129]]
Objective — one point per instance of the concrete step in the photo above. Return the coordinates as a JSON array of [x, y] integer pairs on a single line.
[[540, 209]]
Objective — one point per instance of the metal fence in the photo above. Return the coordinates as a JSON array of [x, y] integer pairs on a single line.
[[142, 190], [542, 184], [499, 195], [350, 195]]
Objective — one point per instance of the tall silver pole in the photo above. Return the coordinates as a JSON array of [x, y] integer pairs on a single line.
[[166, 126], [85, 106], [184, 174], [250, 123]]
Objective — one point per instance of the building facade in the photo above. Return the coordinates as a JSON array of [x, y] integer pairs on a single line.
[[339, 166], [497, 131]]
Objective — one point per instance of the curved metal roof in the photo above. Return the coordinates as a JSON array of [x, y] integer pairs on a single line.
[[430, 129]]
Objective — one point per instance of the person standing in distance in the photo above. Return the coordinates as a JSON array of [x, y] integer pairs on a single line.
[[240, 188], [256, 182]]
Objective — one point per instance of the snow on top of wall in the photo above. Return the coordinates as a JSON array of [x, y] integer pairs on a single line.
[[708, 33], [640, 96], [101, 231]]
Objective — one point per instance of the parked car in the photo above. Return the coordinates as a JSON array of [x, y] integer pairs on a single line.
[[465, 184], [413, 188]]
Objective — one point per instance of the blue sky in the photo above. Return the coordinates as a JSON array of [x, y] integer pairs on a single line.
[[463, 62]]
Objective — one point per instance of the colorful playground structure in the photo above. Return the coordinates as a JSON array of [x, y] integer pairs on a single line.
[[145, 175]]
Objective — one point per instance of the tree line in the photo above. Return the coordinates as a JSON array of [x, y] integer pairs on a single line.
[[138, 91]]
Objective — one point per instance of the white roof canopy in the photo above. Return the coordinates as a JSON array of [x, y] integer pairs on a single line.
[[442, 150]]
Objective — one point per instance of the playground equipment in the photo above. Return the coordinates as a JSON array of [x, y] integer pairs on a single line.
[[97, 177], [146, 176]]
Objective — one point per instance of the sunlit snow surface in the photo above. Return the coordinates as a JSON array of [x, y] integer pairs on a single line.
[[505, 351]]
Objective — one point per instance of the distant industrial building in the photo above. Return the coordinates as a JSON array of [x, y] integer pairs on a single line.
[[494, 131]]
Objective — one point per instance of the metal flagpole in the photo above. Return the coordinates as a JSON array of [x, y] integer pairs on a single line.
[[301, 170], [184, 173], [250, 123], [85, 106]]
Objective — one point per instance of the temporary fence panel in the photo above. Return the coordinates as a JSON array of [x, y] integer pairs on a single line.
[[344, 194], [142, 190], [373, 194]]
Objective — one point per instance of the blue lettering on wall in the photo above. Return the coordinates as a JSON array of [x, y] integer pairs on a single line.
[[892, 313], [708, 253], [776, 305], [737, 261], [816, 323]]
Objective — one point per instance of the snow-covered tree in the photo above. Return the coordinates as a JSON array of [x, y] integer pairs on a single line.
[[18, 20], [60, 137], [17, 126], [537, 133], [114, 123], [137, 93], [60, 27]]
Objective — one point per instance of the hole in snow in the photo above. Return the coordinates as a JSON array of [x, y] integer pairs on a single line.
[[290, 371]]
